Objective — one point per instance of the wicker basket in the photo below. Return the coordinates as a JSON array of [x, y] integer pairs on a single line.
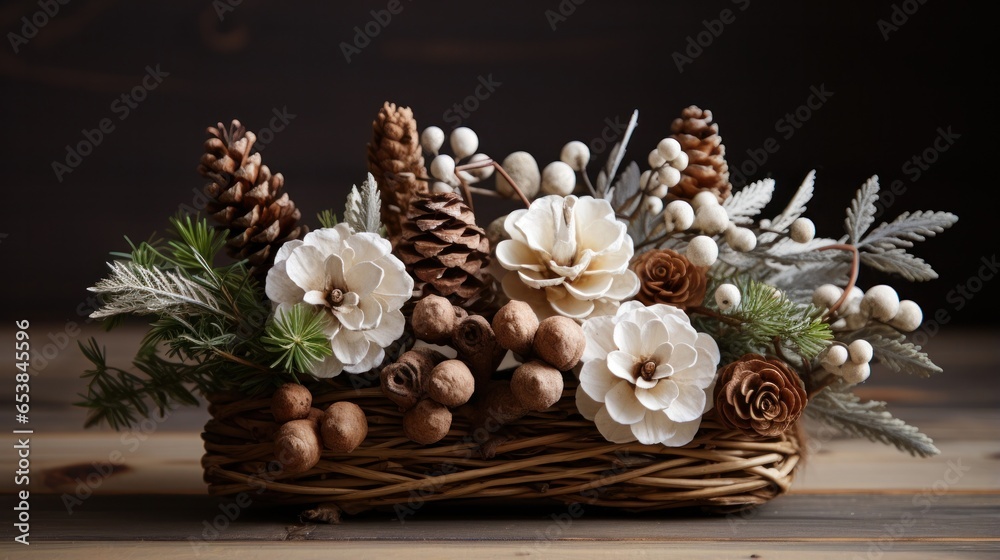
[[551, 455]]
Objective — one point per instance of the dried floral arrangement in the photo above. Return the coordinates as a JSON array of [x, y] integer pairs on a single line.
[[640, 340]]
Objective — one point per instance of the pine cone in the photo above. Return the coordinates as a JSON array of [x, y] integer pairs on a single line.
[[246, 199], [759, 396], [707, 169], [396, 161], [666, 276], [446, 252]]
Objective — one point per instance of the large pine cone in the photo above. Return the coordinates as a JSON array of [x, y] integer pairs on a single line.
[[759, 396], [445, 251], [707, 169], [246, 199], [396, 161]]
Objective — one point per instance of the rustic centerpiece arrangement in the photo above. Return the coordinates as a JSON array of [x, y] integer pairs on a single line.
[[639, 340]]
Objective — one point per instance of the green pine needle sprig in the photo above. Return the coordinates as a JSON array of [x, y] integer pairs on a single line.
[[298, 339]]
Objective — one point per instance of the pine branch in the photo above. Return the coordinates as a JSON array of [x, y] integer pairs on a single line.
[[844, 410], [749, 201], [861, 213], [298, 339], [327, 218], [132, 288], [898, 354], [615, 158], [364, 207], [797, 205], [898, 261], [908, 228]]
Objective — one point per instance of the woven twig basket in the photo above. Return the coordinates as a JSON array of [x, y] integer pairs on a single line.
[[550, 455]]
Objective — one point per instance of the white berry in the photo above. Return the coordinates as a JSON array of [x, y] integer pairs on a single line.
[[681, 215], [836, 355], [909, 316], [826, 295], [741, 239], [669, 148], [704, 198], [855, 373], [442, 188], [523, 169], [558, 178], [668, 176], [727, 296], [802, 230], [431, 139], [576, 154], [680, 162], [659, 191], [652, 205], [861, 351], [656, 160], [464, 142], [443, 167], [480, 173], [880, 303], [711, 219], [702, 251]]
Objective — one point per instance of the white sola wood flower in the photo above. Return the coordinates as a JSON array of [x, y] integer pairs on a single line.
[[647, 375], [568, 256], [356, 280]]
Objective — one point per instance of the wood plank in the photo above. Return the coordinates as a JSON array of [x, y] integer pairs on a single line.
[[559, 550], [856, 518]]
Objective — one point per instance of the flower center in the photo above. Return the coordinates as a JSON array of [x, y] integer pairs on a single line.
[[645, 370], [335, 297]]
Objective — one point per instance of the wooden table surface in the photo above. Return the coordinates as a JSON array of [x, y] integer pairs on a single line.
[[852, 499]]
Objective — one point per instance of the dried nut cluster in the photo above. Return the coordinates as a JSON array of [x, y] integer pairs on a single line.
[[304, 430], [851, 362], [881, 303], [425, 385]]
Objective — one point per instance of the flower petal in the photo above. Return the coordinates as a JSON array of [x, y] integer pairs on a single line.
[[628, 337], [568, 306], [598, 331], [372, 310], [587, 406], [622, 405], [307, 268], [509, 225], [368, 246], [684, 434], [659, 397], [389, 329], [514, 255], [601, 235], [350, 347], [329, 241], [328, 367], [683, 356], [315, 297], [689, 404], [363, 278], [625, 286], [397, 285], [285, 250], [372, 358], [611, 430], [622, 365], [351, 316], [279, 287], [590, 286], [538, 280], [596, 379], [654, 336], [654, 428], [709, 348], [334, 271]]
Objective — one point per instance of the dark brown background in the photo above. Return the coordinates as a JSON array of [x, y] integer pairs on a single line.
[[603, 61]]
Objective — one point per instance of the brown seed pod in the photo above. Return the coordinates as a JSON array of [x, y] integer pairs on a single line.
[[297, 447], [451, 383], [291, 401], [427, 422], [477, 346], [560, 342], [515, 325], [434, 319], [403, 381], [537, 385], [344, 427]]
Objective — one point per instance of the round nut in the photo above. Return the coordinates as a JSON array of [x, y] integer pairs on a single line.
[[560, 342], [343, 427], [434, 317], [537, 385], [514, 326], [291, 401], [451, 383], [297, 447], [427, 422]]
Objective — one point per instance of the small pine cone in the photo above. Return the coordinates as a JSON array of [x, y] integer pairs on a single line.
[[445, 251], [396, 161], [707, 169], [758, 396], [666, 276], [246, 199]]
